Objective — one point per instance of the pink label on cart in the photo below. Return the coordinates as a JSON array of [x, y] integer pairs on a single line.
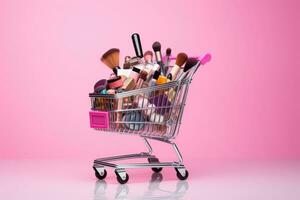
[[99, 119]]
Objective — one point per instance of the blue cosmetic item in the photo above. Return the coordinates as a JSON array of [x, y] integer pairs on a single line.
[[134, 116]]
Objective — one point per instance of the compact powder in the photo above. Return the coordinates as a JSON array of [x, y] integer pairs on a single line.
[[100, 85], [115, 82]]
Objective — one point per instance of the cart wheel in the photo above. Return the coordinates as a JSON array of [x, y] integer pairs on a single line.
[[155, 169], [120, 179], [156, 177], [182, 173], [102, 175]]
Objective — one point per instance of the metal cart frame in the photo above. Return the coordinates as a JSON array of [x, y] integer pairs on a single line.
[[164, 130]]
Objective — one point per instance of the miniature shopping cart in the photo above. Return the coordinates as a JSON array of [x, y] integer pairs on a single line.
[[153, 113]]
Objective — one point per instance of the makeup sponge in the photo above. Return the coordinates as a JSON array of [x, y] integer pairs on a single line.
[[134, 116]]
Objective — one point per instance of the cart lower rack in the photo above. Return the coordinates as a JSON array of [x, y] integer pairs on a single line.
[[153, 113]]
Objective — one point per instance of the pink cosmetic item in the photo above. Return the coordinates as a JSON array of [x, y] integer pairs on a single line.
[[123, 78], [148, 65], [135, 74], [99, 119], [114, 83], [100, 85], [204, 59], [148, 55]]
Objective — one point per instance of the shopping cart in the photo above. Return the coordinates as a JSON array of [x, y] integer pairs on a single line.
[[151, 113]]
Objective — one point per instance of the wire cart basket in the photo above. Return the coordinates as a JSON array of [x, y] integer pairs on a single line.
[[153, 113]]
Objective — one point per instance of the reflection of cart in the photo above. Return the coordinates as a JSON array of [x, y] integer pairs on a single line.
[[155, 190], [152, 113]]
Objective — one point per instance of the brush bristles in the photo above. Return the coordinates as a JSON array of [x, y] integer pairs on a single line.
[[181, 59], [156, 46], [168, 51], [191, 62], [111, 58]]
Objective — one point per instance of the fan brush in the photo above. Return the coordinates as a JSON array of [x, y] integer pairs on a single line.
[[111, 59]]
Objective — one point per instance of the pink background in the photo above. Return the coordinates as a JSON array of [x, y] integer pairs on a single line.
[[242, 105]]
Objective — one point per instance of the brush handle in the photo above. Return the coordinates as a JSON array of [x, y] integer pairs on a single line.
[[137, 45], [173, 73], [115, 70], [159, 61], [203, 59]]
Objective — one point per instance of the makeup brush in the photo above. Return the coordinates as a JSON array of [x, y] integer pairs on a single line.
[[167, 60], [157, 50], [196, 61], [180, 60], [137, 45], [204, 59], [111, 59], [168, 54], [190, 63], [148, 55]]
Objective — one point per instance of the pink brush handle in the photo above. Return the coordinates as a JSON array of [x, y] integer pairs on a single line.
[[203, 59]]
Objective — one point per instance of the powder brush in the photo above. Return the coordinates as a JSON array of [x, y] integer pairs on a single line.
[[157, 50], [181, 58], [111, 59]]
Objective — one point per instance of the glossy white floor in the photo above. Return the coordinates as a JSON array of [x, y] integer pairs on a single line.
[[33, 179]]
